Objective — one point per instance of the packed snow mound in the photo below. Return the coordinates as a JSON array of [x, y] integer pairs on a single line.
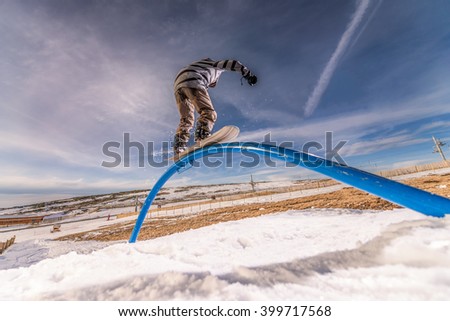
[[315, 254]]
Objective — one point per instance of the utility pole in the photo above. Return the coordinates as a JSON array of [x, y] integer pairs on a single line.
[[252, 183], [437, 147]]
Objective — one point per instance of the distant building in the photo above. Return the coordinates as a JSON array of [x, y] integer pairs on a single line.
[[28, 219], [8, 220], [53, 217]]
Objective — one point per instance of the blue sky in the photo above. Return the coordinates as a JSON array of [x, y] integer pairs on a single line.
[[77, 74]]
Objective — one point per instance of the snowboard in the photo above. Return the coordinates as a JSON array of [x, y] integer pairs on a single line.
[[225, 134]]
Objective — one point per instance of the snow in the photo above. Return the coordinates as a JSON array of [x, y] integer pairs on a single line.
[[314, 254], [322, 254]]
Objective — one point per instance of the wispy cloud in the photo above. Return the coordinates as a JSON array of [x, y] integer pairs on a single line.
[[436, 125], [35, 185], [363, 122], [327, 73], [60, 72], [376, 145]]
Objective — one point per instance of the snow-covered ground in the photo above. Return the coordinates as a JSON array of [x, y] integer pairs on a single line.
[[331, 254], [315, 254]]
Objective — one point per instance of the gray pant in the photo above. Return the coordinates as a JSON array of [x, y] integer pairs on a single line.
[[190, 100]]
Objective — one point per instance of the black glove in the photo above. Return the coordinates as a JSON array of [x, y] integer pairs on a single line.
[[251, 79]]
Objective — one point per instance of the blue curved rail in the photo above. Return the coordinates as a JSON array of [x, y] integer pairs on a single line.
[[395, 192]]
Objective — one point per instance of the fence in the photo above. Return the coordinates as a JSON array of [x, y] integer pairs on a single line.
[[5, 245], [217, 201], [414, 169], [237, 199]]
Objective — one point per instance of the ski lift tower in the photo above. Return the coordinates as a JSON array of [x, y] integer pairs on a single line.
[[437, 147]]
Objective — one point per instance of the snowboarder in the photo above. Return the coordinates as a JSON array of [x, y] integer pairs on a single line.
[[191, 95]]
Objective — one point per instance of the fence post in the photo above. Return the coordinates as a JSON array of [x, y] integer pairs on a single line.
[[8, 243]]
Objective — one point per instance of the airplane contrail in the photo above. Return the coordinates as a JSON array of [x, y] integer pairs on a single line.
[[327, 73]]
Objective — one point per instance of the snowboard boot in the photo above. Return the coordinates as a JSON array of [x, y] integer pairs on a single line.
[[179, 144], [201, 133]]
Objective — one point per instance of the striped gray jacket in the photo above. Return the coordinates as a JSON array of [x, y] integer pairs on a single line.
[[206, 72]]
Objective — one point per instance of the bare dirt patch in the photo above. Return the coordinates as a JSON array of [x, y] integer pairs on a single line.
[[347, 197]]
